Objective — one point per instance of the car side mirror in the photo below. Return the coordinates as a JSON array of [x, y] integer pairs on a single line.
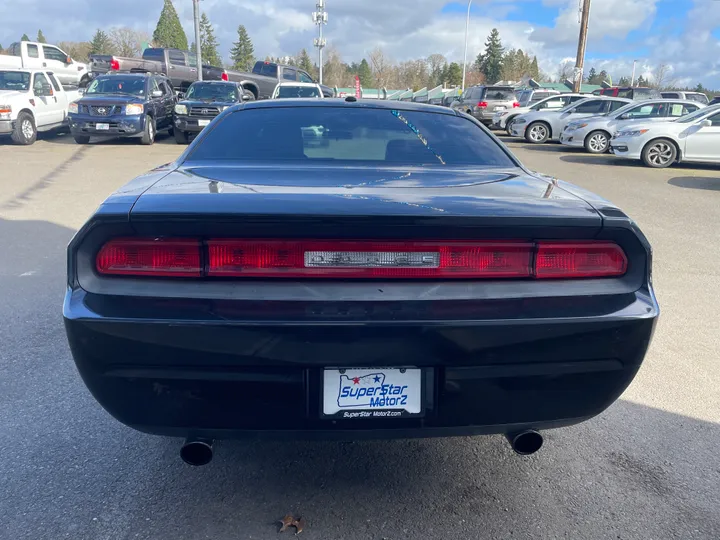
[[68, 60], [81, 91], [706, 123], [246, 97], [157, 93], [181, 95]]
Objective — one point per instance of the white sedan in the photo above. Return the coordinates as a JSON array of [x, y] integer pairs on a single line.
[[538, 127], [694, 138], [505, 119], [594, 133], [297, 90]]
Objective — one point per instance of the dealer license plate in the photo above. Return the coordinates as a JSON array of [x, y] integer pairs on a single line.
[[372, 393], [499, 109], [102, 127], [203, 123]]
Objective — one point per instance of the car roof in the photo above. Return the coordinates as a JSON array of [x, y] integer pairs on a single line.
[[348, 104], [297, 83], [131, 74], [219, 83]]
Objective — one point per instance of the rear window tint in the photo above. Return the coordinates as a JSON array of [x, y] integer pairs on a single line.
[[340, 134], [499, 94]]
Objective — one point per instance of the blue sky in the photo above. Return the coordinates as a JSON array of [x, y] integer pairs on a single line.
[[684, 34]]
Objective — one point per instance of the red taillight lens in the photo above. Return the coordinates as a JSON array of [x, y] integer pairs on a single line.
[[362, 259], [579, 260], [150, 257], [515, 104], [224, 76], [482, 105], [115, 65]]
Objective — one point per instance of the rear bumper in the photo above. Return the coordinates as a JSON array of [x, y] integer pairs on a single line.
[[228, 374], [118, 126]]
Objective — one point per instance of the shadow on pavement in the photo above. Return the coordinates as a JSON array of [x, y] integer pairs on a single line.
[[547, 147], [605, 159], [696, 182]]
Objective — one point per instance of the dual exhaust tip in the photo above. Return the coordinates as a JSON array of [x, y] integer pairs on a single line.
[[198, 452]]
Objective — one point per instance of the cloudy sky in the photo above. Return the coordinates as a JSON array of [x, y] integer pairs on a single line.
[[682, 33]]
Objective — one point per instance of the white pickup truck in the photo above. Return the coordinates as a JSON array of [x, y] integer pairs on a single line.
[[31, 101], [30, 55]]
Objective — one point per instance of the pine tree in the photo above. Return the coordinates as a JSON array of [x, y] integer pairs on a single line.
[[624, 81], [602, 77], [592, 76], [490, 62], [208, 42], [1, 48], [169, 32], [100, 43], [305, 63], [641, 81], [453, 76], [25, 38], [365, 74], [243, 52], [698, 88], [41, 37], [534, 69]]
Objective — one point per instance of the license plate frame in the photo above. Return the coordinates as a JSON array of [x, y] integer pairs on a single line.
[[416, 398], [500, 108], [102, 127], [203, 123]]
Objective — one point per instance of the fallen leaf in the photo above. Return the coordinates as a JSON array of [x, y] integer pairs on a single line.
[[290, 521]]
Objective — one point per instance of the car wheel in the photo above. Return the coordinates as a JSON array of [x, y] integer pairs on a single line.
[[181, 137], [509, 125], [659, 154], [149, 133], [81, 139], [597, 142], [25, 132], [537, 133], [248, 96], [171, 131]]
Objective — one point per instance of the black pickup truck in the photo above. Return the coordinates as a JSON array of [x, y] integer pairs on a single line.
[[178, 66]]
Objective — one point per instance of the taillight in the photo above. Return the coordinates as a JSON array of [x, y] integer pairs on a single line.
[[150, 257], [482, 105], [354, 259], [224, 76], [114, 65], [515, 104], [362, 259], [579, 260]]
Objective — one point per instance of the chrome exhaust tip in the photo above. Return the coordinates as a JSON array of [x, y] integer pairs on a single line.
[[197, 452], [525, 442]]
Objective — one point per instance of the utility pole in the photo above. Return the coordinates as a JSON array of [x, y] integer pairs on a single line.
[[632, 80], [582, 43], [467, 26], [198, 45], [320, 17]]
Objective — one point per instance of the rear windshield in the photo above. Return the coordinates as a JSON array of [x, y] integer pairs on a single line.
[[14, 80], [262, 68], [298, 92], [354, 136], [500, 94], [117, 84], [700, 98], [154, 54]]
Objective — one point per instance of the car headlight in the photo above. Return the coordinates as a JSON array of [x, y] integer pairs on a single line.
[[5, 111], [580, 126], [632, 133], [521, 121], [73, 108], [134, 109], [181, 109]]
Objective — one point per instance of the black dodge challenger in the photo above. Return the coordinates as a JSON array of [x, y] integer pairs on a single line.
[[351, 269]]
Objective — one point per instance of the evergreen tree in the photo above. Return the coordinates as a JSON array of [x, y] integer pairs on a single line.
[[602, 77], [453, 75], [624, 81], [490, 62], [208, 42], [24, 38], [169, 32], [698, 88], [243, 52], [534, 69], [100, 43], [41, 37], [592, 76], [305, 63], [365, 74], [641, 81], [1, 48]]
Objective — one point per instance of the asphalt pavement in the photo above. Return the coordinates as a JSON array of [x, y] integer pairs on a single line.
[[648, 468]]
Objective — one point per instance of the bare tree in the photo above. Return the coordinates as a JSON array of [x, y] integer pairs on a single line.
[[334, 72], [382, 68], [77, 50], [661, 77], [128, 42], [566, 70]]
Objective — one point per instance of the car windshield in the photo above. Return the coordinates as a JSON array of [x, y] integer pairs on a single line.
[[212, 92], [115, 84], [298, 92], [14, 80], [353, 136], [688, 118]]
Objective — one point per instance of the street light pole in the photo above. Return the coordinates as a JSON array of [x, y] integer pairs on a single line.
[[198, 45], [632, 81], [467, 25]]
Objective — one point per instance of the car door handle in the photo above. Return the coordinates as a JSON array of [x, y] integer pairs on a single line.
[[44, 64]]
